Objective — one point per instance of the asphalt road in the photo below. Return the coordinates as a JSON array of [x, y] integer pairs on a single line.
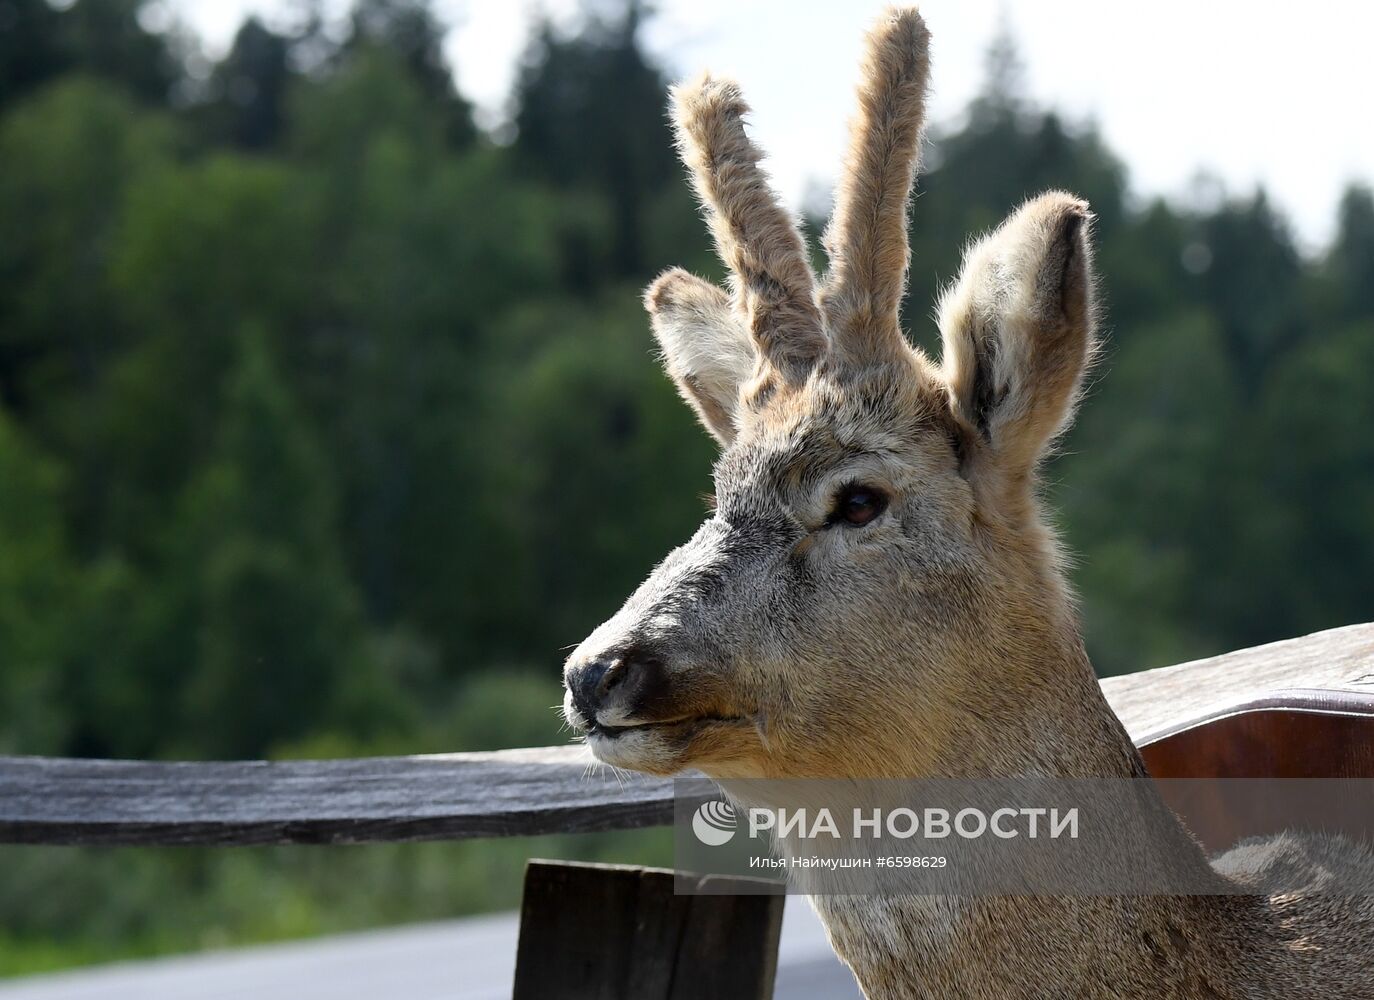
[[470, 959]]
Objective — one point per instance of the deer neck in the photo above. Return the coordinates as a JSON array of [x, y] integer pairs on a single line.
[[941, 946], [1049, 718]]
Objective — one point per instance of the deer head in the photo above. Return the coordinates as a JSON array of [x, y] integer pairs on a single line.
[[875, 592]]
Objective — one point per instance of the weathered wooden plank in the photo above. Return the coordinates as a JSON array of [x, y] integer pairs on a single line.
[[1153, 702], [609, 932], [447, 796], [546, 790]]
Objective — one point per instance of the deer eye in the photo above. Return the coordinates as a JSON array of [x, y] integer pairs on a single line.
[[857, 504]]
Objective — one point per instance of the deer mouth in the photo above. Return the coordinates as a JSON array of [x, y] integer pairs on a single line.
[[684, 724], [666, 746]]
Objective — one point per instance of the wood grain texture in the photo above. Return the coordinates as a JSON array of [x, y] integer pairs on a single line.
[[1264, 770], [545, 790], [445, 796], [1154, 702], [610, 932]]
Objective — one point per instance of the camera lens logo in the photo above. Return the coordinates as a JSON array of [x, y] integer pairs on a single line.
[[714, 823]]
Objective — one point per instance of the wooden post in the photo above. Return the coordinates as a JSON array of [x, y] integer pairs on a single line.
[[608, 932]]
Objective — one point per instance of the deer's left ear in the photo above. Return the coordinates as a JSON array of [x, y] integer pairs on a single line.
[[1018, 332], [706, 348]]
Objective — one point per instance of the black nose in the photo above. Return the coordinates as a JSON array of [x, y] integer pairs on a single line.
[[593, 681]]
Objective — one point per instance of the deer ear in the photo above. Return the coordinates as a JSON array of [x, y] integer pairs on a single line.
[[1017, 331], [706, 347]]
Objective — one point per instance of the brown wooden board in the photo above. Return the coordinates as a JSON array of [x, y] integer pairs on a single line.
[[1279, 764], [607, 932]]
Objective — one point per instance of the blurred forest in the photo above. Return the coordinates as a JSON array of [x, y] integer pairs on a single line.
[[328, 420]]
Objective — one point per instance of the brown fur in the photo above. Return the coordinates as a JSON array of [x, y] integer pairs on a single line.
[[866, 238], [756, 238], [939, 639]]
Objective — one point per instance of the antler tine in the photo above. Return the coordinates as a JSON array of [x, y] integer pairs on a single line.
[[867, 235], [755, 237]]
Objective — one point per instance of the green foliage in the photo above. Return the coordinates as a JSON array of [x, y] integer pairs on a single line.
[[36, 586], [280, 629], [30, 51], [410, 31], [591, 117], [98, 37], [246, 105], [134, 902], [1317, 467], [568, 375], [327, 423], [505, 707], [1351, 262], [70, 153], [1133, 502]]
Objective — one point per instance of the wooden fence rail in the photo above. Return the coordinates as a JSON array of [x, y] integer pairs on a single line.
[[554, 789]]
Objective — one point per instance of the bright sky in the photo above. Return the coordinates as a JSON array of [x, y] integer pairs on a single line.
[[1247, 91]]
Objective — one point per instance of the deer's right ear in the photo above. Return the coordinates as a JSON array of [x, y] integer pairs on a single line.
[[706, 347], [1018, 332]]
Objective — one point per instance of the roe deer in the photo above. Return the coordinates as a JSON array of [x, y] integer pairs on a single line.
[[877, 594]]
